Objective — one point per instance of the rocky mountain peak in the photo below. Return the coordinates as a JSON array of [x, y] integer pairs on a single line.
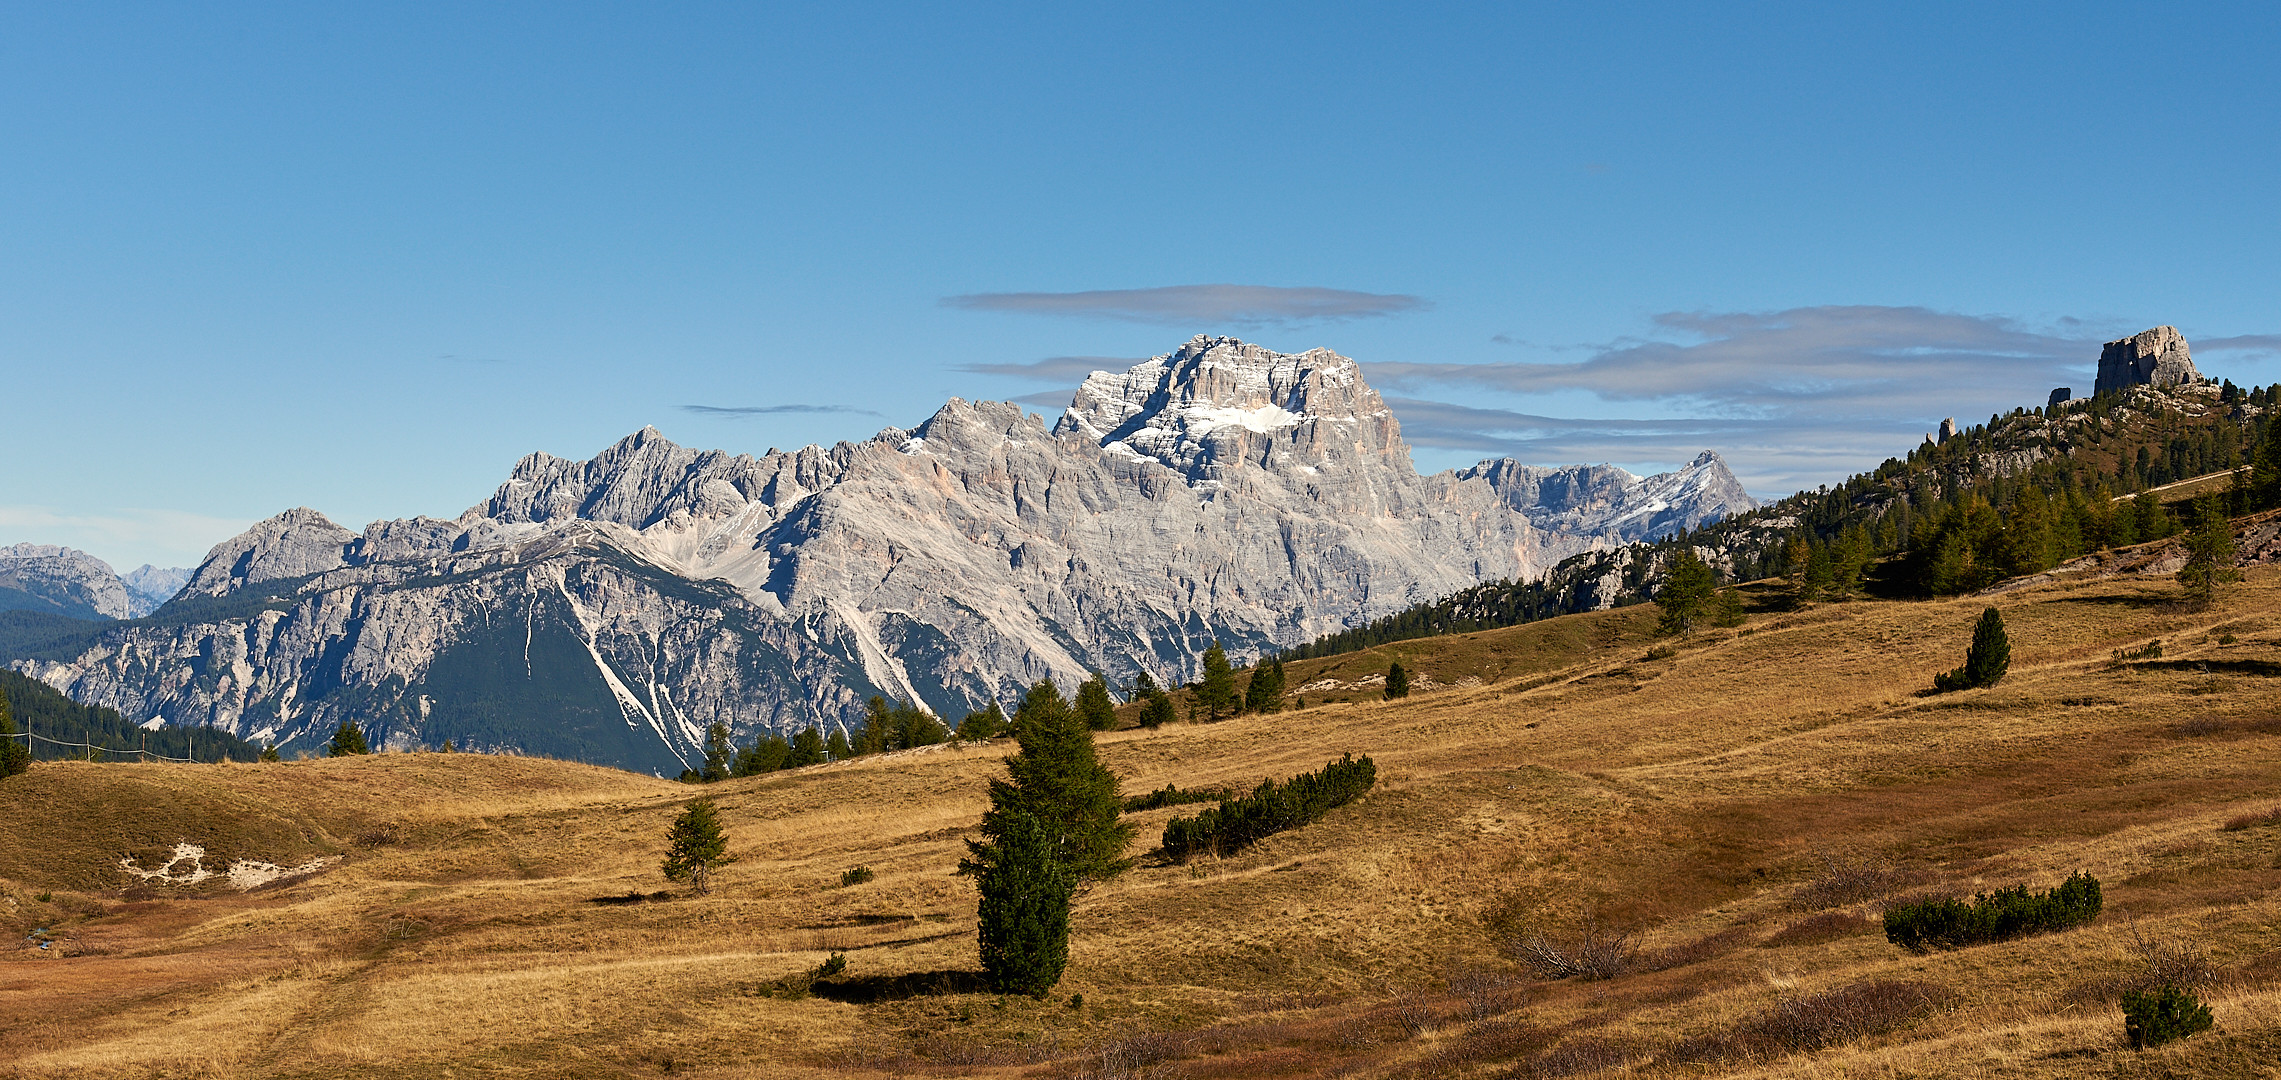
[[1217, 401], [296, 543], [2156, 357]]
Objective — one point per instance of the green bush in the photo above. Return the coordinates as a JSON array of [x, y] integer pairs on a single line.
[[855, 877], [1987, 660], [2162, 1014], [1172, 795], [1269, 809], [1943, 923], [1024, 913]]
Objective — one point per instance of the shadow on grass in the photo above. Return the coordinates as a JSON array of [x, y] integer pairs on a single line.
[[2262, 668], [2140, 601], [866, 989], [635, 897]]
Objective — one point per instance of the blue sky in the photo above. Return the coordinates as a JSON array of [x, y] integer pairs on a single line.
[[253, 257]]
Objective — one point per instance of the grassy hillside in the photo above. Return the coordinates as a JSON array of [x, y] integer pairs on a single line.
[[1740, 804]]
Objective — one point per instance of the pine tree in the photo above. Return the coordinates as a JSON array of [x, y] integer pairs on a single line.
[[765, 755], [349, 739], [1056, 779], [1265, 694], [1397, 682], [696, 846], [837, 747], [983, 724], [718, 753], [1093, 704], [2210, 553], [1156, 705], [914, 726], [1024, 908], [1985, 662], [1216, 695], [878, 728], [15, 757], [807, 749], [1686, 593], [269, 753]]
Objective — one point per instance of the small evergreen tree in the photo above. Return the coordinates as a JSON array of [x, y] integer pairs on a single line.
[[349, 739], [1216, 695], [2210, 553], [765, 755], [1985, 662], [2157, 1016], [1024, 908], [1265, 694], [1686, 593], [718, 754], [1397, 682], [449, 748], [807, 749], [837, 747], [1156, 705], [983, 724], [15, 757], [269, 753], [1093, 704], [877, 735], [696, 846], [914, 726], [1056, 778]]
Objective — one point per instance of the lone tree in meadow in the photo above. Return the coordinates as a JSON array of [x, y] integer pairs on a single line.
[[1987, 660], [348, 740], [2210, 552], [15, 757], [1093, 704], [1686, 593], [1265, 694], [1397, 682], [695, 846], [1216, 695], [720, 757]]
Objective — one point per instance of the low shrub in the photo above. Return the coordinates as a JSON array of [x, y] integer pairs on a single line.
[[1580, 1055], [2152, 650], [1842, 881], [1818, 930], [1945, 923], [1173, 795], [2270, 816], [857, 876], [1591, 954], [1815, 1021], [1270, 808], [2165, 1013]]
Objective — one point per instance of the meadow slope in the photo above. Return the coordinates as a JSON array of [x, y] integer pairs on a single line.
[[489, 916]]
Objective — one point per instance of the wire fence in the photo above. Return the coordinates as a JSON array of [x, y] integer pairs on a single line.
[[29, 738]]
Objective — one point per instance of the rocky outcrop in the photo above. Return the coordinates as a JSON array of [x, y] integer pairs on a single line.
[[610, 609], [2156, 357]]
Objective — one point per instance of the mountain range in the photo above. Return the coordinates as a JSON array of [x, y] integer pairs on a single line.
[[64, 581], [608, 610]]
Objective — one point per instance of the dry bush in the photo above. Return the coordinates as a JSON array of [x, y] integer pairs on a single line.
[[2167, 962], [1500, 1039], [1819, 930], [1575, 1057], [1486, 992], [378, 836], [1138, 1055], [1813, 1022], [1842, 881], [1417, 1012], [2253, 820], [1592, 953]]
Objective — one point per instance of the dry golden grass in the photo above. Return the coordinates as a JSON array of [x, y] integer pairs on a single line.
[[467, 928]]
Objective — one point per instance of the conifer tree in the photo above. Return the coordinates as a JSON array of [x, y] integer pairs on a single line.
[[2210, 552], [838, 747], [1056, 779], [1397, 682], [765, 755], [349, 739], [718, 753], [1216, 695], [1265, 694], [269, 753], [15, 757], [912, 726], [878, 728], [696, 846], [1686, 593], [1985, 662], [1093, 704], [1156, 705], [983, 724], [807, 749], [1023, 913]]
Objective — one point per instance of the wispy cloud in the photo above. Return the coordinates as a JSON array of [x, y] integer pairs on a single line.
[[739, 411], [1046, 399], [1901, 363], [2244, 343], [1054, 368], [1208, 305]]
